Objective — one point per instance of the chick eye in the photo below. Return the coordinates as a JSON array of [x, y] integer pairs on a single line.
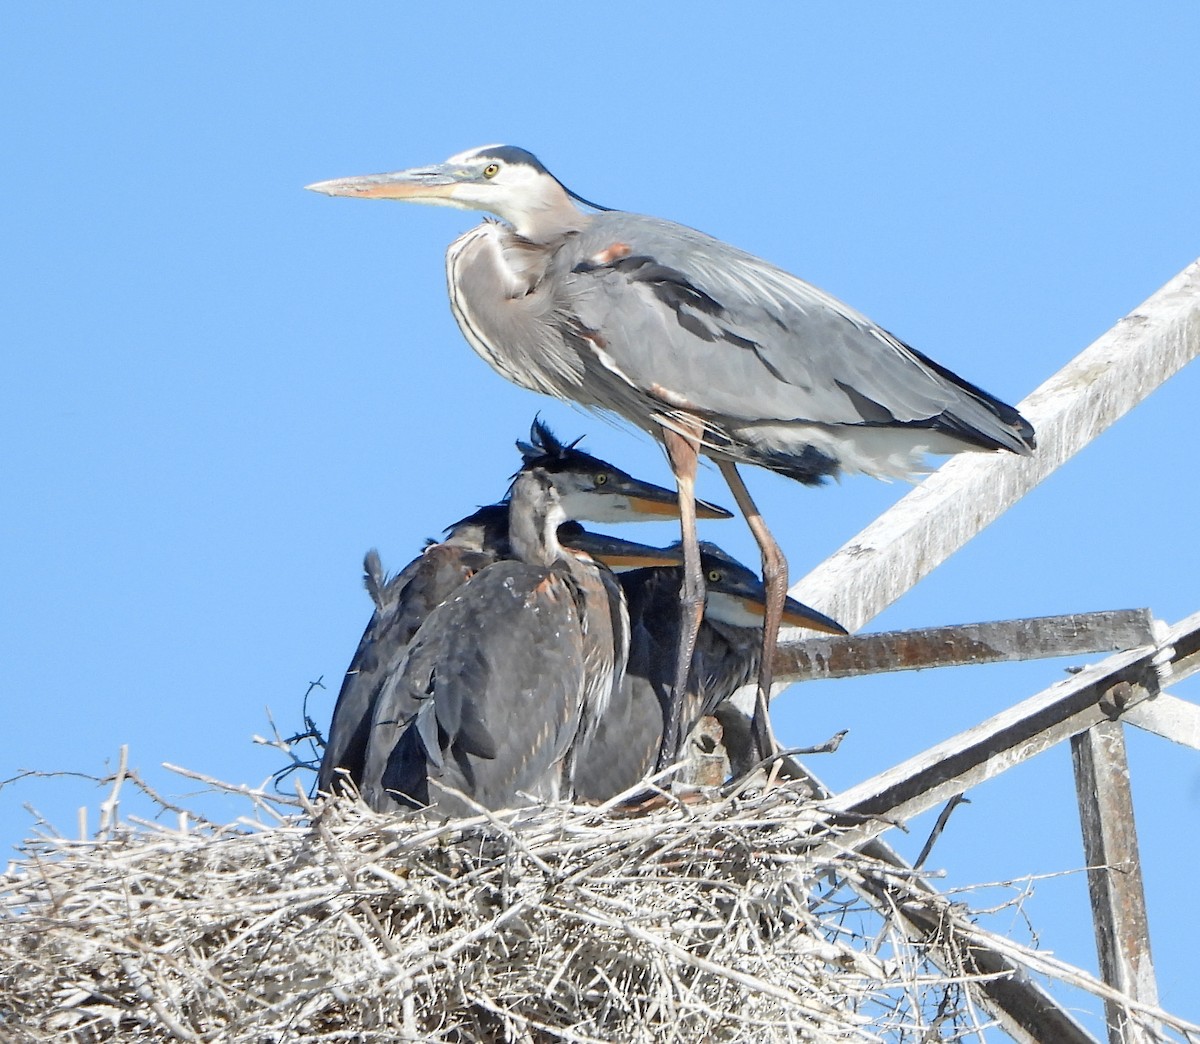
[[601, 478], [491, 170], [714, 576]]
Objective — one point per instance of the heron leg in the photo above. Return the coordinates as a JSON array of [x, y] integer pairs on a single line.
[[683, 450], [775, 580]]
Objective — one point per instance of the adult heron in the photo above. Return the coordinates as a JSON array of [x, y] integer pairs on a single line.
[[626, 742], [699, 343], [588, 488], [507, 676]]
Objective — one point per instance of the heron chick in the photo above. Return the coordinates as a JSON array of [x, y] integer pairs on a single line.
[[588, 488], [507, 676], [626, 742]]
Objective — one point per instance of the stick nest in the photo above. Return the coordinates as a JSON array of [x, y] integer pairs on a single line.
[[720, 920]]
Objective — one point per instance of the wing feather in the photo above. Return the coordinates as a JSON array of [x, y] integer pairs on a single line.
[[740, 339], [502, 665]]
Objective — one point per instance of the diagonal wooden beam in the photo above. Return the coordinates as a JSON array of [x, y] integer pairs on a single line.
[[1170, 717], [1100, 385], [1096, 388], [1098, 693]]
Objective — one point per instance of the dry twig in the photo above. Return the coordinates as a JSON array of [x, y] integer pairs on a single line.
[[328, 922]]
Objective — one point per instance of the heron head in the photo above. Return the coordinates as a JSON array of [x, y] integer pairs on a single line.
[[501, 179], [736, 596], [593, 490]]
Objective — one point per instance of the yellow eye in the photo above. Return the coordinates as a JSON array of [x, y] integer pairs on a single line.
[[601, 478], [491, 170], [714, 576]]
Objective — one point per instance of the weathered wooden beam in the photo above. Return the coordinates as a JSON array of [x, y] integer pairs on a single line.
[[1075, 634], [1087, 395], [990, 748], [1185, 658], [1168, 716], [1095, 389], [1114, 874], [1097, 693]]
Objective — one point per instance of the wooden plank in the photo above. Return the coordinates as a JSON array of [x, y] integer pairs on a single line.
[[1087, 395], [1168, 716], [1097, 693], [1075, 634], [1114, 874]]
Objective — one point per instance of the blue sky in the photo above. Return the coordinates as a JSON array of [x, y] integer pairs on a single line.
[[219, 390]]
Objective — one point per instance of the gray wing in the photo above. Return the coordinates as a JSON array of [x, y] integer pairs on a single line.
[[495, 675], [605, 639], [402, 604], [738, 338], [623, 745]]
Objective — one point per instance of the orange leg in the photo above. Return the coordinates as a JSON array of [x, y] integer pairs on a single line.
[[775, 579], [684, 454]]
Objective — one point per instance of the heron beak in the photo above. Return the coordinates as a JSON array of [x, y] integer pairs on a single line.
[[619, 554], [797, 614], [669, 506], [645, 498], [638, 560], [421, 185], [706, 510]]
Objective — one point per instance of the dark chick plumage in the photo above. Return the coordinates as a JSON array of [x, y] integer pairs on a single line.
[[505, 676], [626, 743], [403, 602]]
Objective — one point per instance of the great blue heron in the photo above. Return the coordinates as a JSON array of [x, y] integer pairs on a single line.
[[507, 675], [624, 746], [708, 347], [589, 488]]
